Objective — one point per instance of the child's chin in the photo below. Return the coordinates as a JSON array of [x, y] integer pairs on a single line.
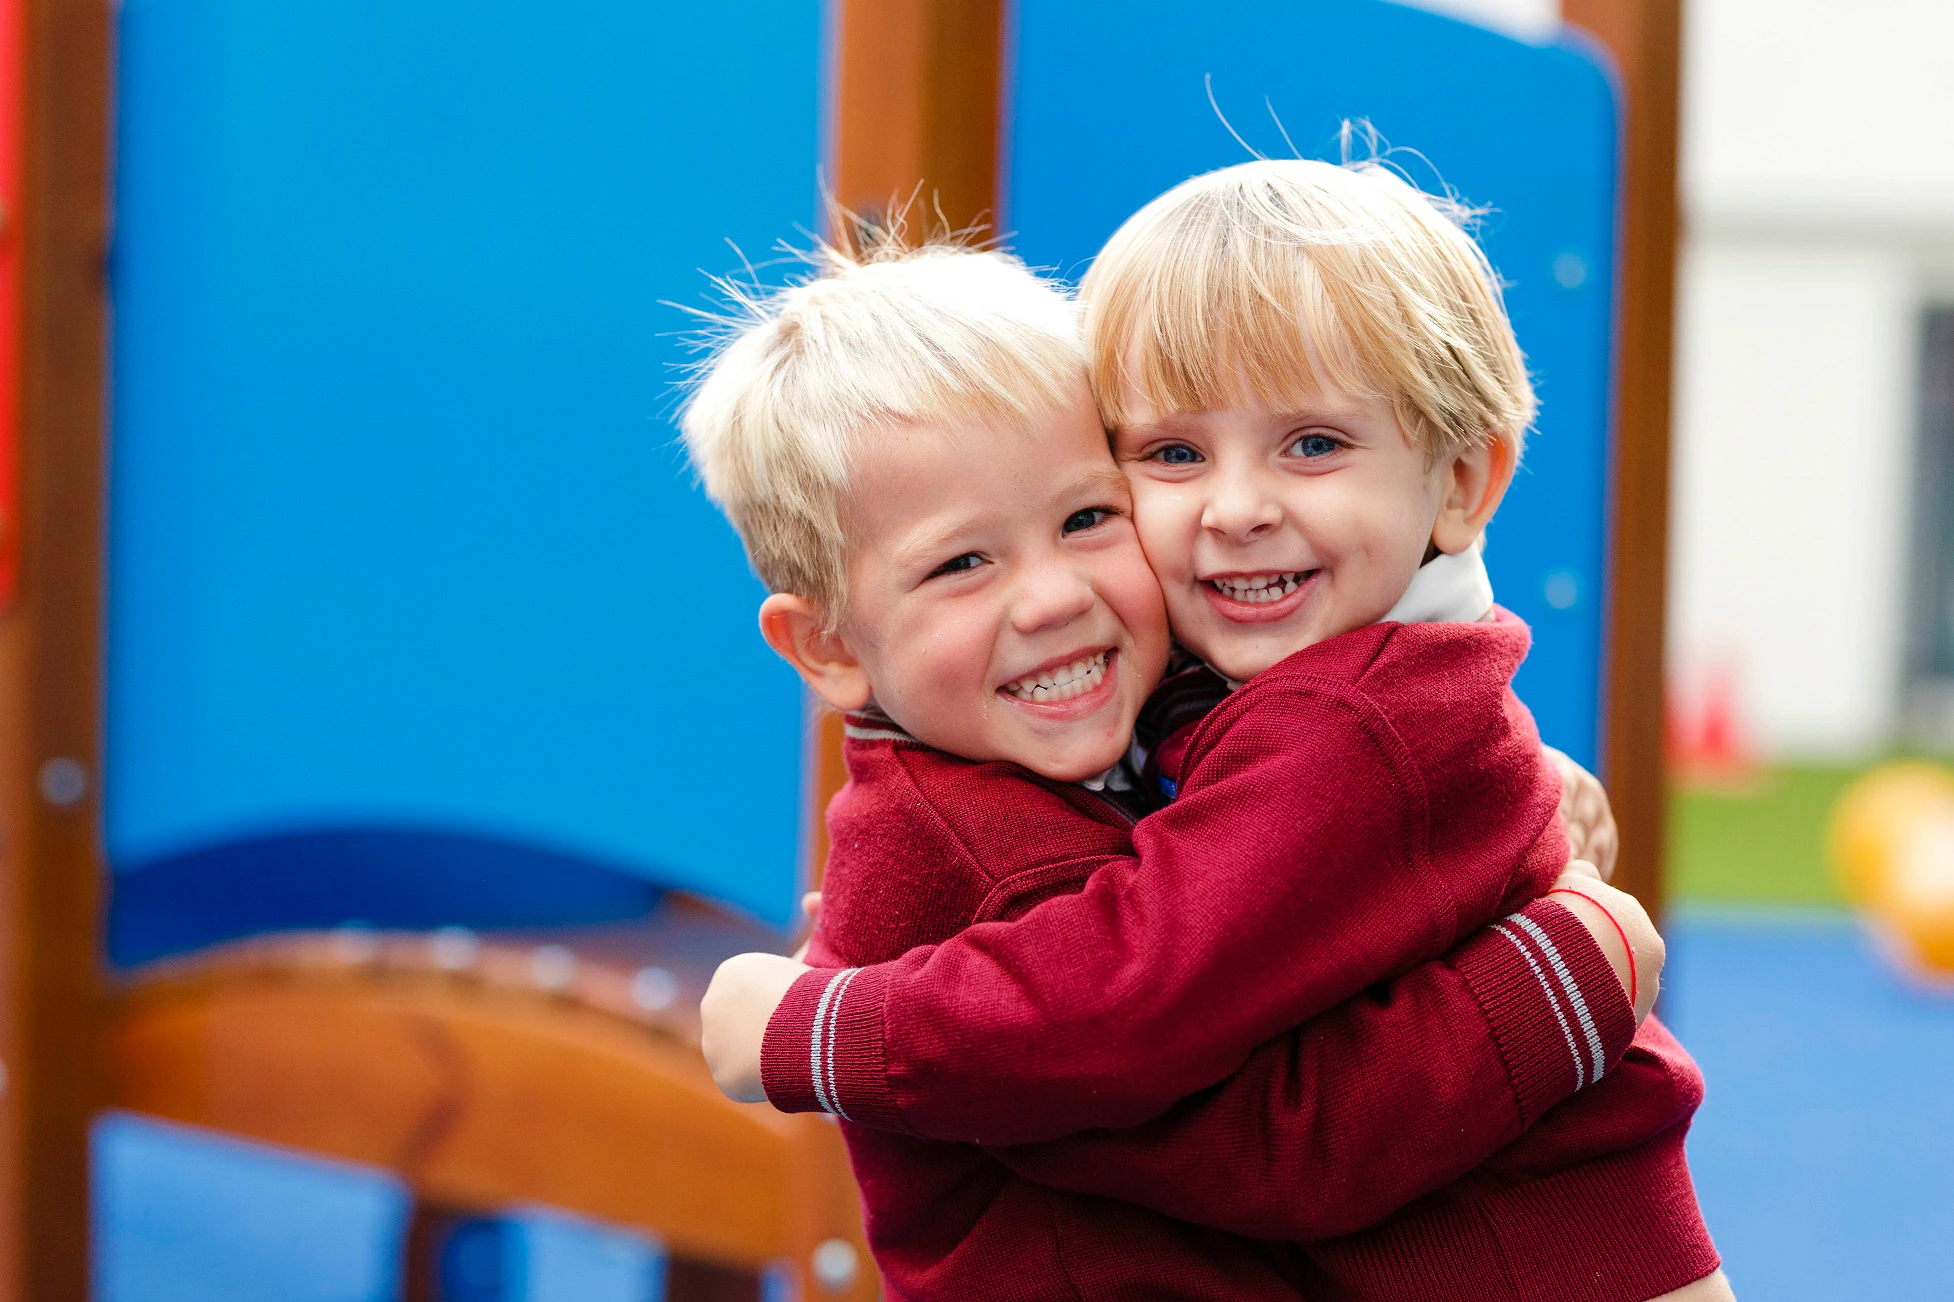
[[1071, 763], [1242, 658], [1235, 662]]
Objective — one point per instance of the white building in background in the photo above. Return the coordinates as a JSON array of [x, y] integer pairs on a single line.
[[1812, 547], [1811, 550]]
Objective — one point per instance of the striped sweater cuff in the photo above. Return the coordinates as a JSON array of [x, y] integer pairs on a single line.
[[823, 1048], [1558, 1013]]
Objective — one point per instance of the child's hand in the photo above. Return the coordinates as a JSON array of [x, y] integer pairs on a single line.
[[1602, 910], [1586, 814], [811, 908], [733, 1019]]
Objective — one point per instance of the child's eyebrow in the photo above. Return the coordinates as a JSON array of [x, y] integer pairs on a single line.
[[929, 540], [1108, 480], [1168, 424]]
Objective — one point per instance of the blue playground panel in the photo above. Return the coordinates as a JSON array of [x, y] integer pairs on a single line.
[[188, 1216], [415, 613], [1108, 108], [1824, 1153]]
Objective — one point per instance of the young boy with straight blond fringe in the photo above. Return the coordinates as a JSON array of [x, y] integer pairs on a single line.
[[1317, 398], [908, 445]]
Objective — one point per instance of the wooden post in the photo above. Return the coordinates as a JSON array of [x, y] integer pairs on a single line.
[[918, 98], [1645, 39], [50, 681], [918, 101]]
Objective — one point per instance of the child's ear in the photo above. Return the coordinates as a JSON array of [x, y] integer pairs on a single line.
[[793, 627], [1471, 486]]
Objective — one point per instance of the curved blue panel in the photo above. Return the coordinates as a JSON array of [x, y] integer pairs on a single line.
[[1109, 109], [400, 535]]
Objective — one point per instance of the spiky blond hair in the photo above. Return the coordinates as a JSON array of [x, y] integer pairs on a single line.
[[1275, 279], [895, 334]]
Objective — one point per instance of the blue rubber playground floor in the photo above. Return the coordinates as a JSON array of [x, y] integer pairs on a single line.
[[1824, 1154]]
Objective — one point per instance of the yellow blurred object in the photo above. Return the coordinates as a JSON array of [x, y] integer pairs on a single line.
[[1916, 900], [1892, 846], [1876, 813]]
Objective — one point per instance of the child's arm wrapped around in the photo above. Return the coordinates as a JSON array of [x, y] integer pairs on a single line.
[[1394, 1093], [1390, 1095], [1293, 872]]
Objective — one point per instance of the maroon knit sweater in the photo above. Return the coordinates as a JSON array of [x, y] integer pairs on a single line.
[[1350, 814]]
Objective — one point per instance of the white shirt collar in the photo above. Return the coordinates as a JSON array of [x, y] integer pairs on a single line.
[[1447, 590]]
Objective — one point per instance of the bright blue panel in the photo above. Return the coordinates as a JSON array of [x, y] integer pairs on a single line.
[[562, 1258], [1109, 109], [183, 1215], [400, 537]]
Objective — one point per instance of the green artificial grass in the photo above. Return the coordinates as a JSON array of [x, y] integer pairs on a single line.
[[1763, 844]]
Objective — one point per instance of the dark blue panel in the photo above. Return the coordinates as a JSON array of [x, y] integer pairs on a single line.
[[1109, 110], [393, 876], [400, 536]]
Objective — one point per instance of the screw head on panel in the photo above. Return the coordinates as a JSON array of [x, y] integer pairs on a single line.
[[1561, 590], [553, 967], [355, 944], [63, 781], [455, 949], [653, 989], [834, 1264]]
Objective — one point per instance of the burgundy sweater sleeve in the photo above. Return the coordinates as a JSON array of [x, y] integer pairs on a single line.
[[1291, 876], [1333, 1126]]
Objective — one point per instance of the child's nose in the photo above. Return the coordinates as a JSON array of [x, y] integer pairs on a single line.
[[1239, 508], [1050, 595]]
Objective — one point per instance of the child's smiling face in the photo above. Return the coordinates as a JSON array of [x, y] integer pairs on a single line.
[[1273, 530], [999, 604]]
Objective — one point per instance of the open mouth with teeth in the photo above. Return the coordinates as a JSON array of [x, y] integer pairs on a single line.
[[1061, 682], [1259, 589]]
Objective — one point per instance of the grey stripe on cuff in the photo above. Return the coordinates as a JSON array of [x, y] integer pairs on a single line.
[[1573, 989], [842, 982], [1553, 1002], [828, 993]]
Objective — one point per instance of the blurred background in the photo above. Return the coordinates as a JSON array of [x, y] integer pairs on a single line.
[[1809, 634], [389, 751]]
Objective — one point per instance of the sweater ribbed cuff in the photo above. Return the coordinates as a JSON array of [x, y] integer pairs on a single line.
[[823, 1048], [1558, 1013]]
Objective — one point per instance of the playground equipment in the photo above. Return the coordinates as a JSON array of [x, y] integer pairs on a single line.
[[1892, 846], [490, 1071], [416, 623]]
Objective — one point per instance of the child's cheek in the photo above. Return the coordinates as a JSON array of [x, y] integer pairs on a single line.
[[1166, 522], [1139, 603]]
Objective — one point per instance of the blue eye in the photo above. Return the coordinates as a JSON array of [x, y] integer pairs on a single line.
[[958, 564], [1315, 445], [1079, 521], [1176, 454]]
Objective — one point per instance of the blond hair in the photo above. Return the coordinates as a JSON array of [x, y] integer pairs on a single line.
[[1280, 278], [893, 335]]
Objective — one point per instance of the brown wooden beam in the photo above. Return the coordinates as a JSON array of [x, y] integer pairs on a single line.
[[50, 655], [918, 90], [1645, 39], [481, 1088], [918, 101]]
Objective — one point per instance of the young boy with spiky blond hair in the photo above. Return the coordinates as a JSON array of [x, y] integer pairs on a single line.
[[1318, 402]]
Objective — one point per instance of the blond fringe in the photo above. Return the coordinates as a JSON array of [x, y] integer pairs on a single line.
[[1278, 280]]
